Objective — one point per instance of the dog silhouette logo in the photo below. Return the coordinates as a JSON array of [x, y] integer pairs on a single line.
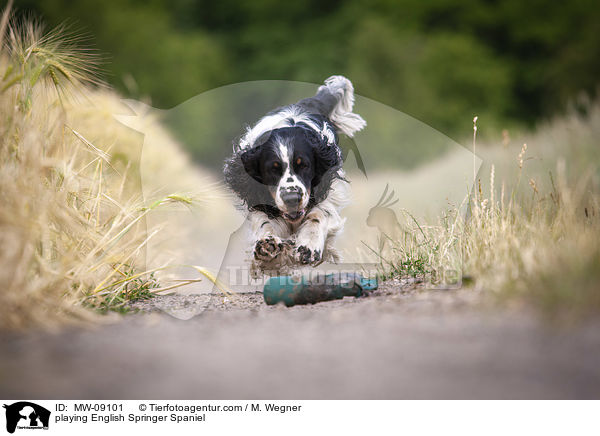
[[26, 415]]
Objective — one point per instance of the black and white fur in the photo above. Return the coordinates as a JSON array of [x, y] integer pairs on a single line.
[[287, 170]]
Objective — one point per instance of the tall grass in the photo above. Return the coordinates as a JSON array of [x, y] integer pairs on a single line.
[[534, 237], [532, 232], [72, 220]]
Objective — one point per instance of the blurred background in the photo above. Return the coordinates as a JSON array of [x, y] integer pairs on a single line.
[[512, 63]]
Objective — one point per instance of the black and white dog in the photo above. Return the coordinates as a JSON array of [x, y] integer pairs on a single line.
[[287, 170]]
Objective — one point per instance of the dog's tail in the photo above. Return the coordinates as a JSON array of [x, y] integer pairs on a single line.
[[335, 100]]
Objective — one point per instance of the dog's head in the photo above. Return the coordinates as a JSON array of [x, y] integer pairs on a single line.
[[295, 165]]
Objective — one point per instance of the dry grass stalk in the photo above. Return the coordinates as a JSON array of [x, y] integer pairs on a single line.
[[72, 222]]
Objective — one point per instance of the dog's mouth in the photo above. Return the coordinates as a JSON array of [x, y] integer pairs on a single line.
[[293, 216]]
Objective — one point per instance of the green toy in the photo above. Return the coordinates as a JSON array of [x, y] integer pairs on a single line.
[[292, 291]]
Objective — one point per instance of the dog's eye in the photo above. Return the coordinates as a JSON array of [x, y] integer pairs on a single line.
[[276, 165], [301, 163]]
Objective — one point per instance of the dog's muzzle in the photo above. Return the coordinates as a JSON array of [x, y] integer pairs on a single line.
[[292, 200]]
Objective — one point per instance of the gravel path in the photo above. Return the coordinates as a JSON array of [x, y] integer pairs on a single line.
[[399, 343]]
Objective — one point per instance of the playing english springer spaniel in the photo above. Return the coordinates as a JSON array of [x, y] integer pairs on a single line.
[[287, 170]]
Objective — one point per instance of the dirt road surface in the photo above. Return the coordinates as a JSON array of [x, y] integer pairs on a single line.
[[399, 343]]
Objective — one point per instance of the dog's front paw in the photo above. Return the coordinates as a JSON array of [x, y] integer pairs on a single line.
[[308, 256], [268, 248]]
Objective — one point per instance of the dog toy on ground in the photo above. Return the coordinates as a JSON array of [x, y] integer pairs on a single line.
[[292, 291]]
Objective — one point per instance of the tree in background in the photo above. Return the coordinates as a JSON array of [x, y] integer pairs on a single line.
[[510, 62]]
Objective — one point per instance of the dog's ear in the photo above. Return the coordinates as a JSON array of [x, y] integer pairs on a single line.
[[326, 157], [251, 160]]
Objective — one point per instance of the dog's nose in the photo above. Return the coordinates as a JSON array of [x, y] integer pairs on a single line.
[[291, 198]]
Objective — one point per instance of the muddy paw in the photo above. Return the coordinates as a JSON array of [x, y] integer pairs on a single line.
[[267, 248], [307, 256]]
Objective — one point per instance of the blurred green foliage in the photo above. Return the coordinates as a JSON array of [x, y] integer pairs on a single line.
[[443, 61]]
